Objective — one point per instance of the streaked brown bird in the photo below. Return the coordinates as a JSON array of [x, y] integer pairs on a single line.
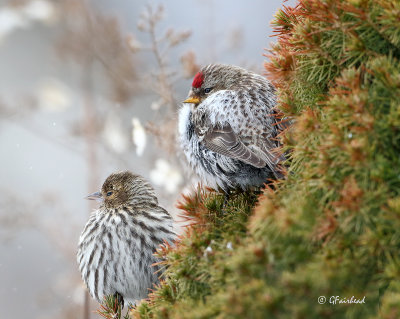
[[116, 247], [228, 128]]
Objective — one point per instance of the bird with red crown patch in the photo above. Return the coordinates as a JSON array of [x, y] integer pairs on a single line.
[[228, 128]]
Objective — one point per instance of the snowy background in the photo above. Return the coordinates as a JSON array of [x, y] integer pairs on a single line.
[[84, 92]]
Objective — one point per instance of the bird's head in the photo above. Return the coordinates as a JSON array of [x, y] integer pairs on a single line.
[[211, 79], [123, 189]]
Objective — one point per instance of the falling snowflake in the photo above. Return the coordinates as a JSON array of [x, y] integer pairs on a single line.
[[207, 251], [134, 43], [138, 136], [166, 176], [114, 135], [155, 105], [17, 17], [40, 10], [10, 20], [53, 95]]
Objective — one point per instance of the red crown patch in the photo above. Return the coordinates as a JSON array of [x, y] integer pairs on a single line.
[[198, 80]]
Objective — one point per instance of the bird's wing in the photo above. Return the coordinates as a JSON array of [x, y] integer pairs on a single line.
[[223, 140], [270, 155], [219, 136]]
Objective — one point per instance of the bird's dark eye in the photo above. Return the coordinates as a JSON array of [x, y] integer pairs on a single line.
[[207, 90], [109, 193]]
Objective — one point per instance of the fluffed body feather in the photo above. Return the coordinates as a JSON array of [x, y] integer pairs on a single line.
[[116, 247], [229, 139]]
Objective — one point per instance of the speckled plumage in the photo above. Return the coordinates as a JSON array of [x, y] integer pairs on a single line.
[[229, 136], [115, 252]]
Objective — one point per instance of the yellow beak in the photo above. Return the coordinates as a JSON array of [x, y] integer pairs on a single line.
[[193, 100]]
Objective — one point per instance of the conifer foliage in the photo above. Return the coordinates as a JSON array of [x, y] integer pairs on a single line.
[[332, 228]]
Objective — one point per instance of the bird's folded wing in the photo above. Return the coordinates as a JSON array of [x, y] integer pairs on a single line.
[[271, 156], [224, 141]]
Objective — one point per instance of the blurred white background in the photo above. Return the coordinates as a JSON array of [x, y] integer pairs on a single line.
[[88, 88]]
